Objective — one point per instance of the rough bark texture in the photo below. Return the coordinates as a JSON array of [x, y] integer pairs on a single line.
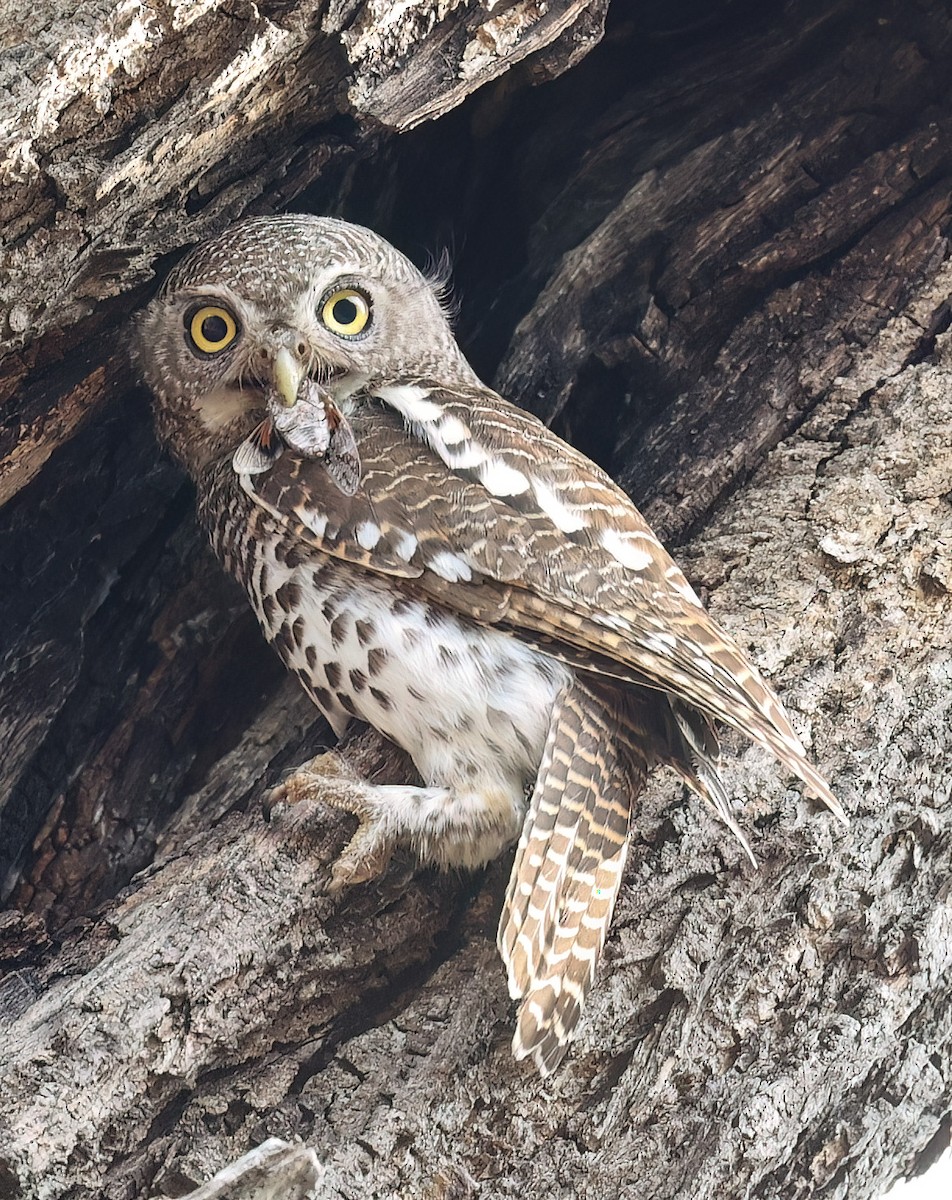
[[714, 254]]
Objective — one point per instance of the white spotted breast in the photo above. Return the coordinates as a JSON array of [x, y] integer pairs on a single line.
[[471, 705]]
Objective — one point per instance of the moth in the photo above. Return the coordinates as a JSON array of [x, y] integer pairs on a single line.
[[313, 426]]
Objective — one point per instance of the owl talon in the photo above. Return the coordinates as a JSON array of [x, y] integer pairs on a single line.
[[365, 857], [331, 780], [324, 777]]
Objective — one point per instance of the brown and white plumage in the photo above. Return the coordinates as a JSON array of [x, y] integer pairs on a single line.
[[485, 595]]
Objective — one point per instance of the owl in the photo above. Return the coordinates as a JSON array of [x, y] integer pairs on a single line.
[[479, 592]]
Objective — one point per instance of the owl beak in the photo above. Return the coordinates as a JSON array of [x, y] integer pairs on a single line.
[[288, 372]]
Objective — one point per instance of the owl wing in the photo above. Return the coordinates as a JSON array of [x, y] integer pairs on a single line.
[[505, 518], [477, 505], [443, 537]]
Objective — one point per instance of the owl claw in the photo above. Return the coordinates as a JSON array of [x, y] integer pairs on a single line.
[[330, 779], [308, 782], [365, 857]]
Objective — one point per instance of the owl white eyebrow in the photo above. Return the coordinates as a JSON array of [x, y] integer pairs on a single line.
[[212, 291]]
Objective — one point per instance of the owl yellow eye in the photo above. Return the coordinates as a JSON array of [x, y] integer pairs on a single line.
[[211, 328], [346, 312]]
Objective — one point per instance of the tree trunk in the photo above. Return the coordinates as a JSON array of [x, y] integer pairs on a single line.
[[711, 249]]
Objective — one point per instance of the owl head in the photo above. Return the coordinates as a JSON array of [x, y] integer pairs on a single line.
[[270, 302]]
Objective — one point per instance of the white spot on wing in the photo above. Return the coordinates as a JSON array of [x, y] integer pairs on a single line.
[[662, 643], [404, 545], [368, 534], [564, 518], [501, 479], [314, 521], [450, 566], [411, 401], [624, 550], [468, 456], [681, 585], [452, 430]]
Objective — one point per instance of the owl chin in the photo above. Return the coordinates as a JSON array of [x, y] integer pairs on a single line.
[[219, 409]]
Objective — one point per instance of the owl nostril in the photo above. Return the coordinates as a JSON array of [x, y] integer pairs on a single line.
[[263, 352], [301, 348]]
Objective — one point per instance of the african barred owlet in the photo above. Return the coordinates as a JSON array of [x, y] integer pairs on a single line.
[[457, 576]]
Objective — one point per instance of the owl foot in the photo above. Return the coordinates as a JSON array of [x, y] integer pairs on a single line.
[[330, 779], [381, 811], [365, 857]]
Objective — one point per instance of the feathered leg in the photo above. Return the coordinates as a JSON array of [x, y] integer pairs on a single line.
[[444, 826]]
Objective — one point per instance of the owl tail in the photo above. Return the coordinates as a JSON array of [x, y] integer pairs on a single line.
[[691, 748], [567, 873]]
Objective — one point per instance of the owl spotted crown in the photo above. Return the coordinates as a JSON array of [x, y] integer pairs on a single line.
[[432, 560]]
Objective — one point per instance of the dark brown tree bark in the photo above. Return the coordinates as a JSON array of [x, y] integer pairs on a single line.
[[711, 249]]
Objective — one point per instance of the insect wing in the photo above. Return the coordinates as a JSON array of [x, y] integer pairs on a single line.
[[259, 451], [343, 458]]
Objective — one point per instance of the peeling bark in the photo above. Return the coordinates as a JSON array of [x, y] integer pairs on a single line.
[[714, 254]]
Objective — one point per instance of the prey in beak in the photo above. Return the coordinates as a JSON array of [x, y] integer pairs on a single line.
[[303, 417]]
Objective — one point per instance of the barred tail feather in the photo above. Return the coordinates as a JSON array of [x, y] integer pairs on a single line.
[[566, 876], [553, 1004]]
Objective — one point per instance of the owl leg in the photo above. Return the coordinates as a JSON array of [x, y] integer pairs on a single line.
[[445, 826], [379, 809]]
